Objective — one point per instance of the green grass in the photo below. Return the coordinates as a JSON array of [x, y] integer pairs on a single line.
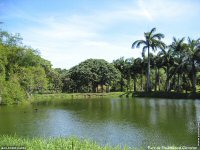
[[67, 96], [53, 144], [171, 95]]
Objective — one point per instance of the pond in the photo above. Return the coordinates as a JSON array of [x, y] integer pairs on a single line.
[[108, 121]]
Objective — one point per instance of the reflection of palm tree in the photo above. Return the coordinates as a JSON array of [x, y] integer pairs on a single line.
[[152, 41], [192, 54]]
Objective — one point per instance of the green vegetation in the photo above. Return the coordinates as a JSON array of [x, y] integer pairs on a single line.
[[86, 76], [53, 143], [175, 68], [22, 71], [68, 96]]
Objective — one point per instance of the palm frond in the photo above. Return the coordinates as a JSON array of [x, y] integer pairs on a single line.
[[138, 43], [189, 40], [182, 40], [152, 31], [144, 50], [158, 36]]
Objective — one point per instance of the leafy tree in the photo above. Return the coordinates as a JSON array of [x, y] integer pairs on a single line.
[[91, 73], [120, 65]]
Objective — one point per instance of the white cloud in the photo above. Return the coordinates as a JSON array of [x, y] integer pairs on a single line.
[[72, 39], [167, 9]]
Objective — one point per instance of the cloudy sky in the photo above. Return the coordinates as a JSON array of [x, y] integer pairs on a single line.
[[67, 32]]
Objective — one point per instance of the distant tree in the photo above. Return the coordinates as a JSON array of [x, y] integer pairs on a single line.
[[93, 72], [121, 66]]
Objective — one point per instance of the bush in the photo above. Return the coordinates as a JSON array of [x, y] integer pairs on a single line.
[[11, 92]]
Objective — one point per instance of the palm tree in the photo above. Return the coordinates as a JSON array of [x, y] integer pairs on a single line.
[[193, 50], [157, 60], [166, 57], [152, 41], [178, 46]]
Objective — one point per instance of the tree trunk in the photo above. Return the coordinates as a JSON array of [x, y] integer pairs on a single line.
[[101, 88], [156, 78], [179, 82], [97, 91], [128, 84], [167, 81], [193, 78], [148, 74], [134, 82], [94, 88], [121, 84], [108, 89]]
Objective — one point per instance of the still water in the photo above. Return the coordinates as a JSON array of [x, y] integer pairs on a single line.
[[114, 121]]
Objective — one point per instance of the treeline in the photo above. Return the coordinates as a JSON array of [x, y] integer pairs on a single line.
[[23, 71], [179, 63], [176, 67]]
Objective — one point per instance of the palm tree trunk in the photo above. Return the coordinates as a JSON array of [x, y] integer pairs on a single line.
[[148, 74], [156, 78], [179, 82], [167, 81], [193, 78]]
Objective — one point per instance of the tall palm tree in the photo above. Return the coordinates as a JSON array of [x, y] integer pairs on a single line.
[[179, 48], [193, 50], [153, 41]]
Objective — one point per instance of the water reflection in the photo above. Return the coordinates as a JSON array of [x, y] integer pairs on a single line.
[[134, 122]]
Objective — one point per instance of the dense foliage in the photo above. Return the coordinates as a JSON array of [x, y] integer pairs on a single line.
[[23, 71], [88, 75], [175, 67]]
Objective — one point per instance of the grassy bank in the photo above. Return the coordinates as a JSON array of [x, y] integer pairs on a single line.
[[44, 97], [171, 95], [53, 144]]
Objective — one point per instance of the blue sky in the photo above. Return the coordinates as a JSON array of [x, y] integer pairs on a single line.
[[67, 32]]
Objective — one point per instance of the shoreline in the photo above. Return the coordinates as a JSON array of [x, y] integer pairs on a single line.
[[69, 96], [169, 95]]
